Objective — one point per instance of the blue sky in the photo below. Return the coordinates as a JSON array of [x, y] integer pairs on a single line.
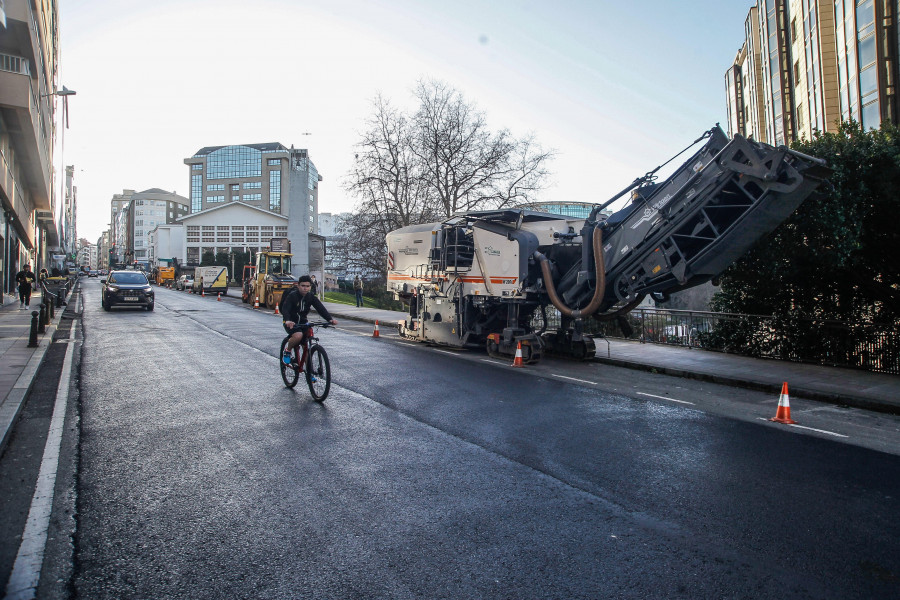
[[616, 88]]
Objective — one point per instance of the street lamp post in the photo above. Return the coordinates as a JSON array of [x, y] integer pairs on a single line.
[[64, 93]]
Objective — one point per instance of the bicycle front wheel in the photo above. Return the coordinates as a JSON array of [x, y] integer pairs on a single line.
[[289, 373], [318, 373]]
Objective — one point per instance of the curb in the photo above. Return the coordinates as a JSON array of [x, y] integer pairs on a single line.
[[798, 391], [12, 405]]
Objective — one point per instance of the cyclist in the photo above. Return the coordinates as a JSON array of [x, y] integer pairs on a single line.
[[294, 306]]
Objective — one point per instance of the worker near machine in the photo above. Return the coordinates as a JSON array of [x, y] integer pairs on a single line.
[[294, 306], [24, 278]]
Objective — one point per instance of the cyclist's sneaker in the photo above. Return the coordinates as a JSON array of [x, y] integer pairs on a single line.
[[313, 378], [286, 358]]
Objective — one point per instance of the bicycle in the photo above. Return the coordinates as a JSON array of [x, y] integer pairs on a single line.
[[313, 362]]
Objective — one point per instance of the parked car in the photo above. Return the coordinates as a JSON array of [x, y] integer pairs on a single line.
[[93, 273], [103, 272], [184, 282], [129, 288]]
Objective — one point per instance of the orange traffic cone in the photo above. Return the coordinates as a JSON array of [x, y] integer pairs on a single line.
[[203, 292], [276, 309], [219, 299], [517, 361], [783, 414], [375, 333], [256, 302]]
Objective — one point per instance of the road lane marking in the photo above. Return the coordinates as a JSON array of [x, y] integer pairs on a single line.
[[448, 352], [26, 573], [575, 379], [664, 398], [811, 429]]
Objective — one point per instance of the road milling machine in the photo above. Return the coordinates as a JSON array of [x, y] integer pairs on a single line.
[[487, 278]]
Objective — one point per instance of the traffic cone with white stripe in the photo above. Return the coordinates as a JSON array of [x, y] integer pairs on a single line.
[[783, 414], [517, 361], [256, 302], [203, 292], [219, 299], [276, 309], [375, 333]]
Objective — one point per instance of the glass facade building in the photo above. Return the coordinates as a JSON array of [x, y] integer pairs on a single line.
[[826, 61], [267, 177]]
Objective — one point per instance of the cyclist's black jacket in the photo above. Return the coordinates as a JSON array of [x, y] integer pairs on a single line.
[[294, 306]]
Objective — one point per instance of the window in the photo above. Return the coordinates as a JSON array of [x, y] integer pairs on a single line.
[[196, 193], [274, 162], [215, 199], [197, 167], [215, 187], [868, 81], [871, 116], [275, 191], [867, 51], [234, 161], [252, 197], [252, 185]]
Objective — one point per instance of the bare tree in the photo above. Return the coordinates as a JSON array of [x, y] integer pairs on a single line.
[[386, 180], [421, 168], [464, 163]]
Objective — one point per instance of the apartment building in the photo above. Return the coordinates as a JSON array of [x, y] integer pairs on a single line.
[[133, 215], [29, 51], [808, 65]]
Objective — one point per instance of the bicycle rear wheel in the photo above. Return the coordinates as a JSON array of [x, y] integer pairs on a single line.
[[289, 373], [318, 373]]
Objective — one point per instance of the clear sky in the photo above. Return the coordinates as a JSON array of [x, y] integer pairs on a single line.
[[616, 88]]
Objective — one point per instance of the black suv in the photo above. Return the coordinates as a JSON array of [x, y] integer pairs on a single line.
[[127, 288]]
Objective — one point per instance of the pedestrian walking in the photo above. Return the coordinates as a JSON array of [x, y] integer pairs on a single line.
[[314, 290], [358, 288], [25, 278]]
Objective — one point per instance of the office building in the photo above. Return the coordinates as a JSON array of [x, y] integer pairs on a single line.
[[275, 192], [808, 65]]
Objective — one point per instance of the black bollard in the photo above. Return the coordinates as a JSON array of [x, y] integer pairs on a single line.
[[41, 323], [32, 339], [58, 297], [50, 306]]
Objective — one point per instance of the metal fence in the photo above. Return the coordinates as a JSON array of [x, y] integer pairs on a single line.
[[866, 346]]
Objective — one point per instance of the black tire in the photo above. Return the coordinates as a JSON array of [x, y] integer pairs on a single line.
[[318, 373], [105, 304], [289, 373], [150, 306]]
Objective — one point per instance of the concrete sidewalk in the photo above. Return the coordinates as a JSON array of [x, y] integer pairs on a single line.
[[18, 362], [836, 385]]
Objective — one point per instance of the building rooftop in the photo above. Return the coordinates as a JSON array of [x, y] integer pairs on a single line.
[[267, 147]]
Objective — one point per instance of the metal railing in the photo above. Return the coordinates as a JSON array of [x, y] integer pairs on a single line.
[[868, 346]]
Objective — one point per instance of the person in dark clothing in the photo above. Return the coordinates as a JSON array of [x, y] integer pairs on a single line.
[[294, 307], [358, 290], [314, 289], [25, 278]]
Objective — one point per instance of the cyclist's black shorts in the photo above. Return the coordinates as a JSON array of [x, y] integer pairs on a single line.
[[301, 327]]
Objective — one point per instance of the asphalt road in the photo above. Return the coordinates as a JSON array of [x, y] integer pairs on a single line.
[[429, 474]]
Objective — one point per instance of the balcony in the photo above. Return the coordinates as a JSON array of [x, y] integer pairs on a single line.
[[20, 104]]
